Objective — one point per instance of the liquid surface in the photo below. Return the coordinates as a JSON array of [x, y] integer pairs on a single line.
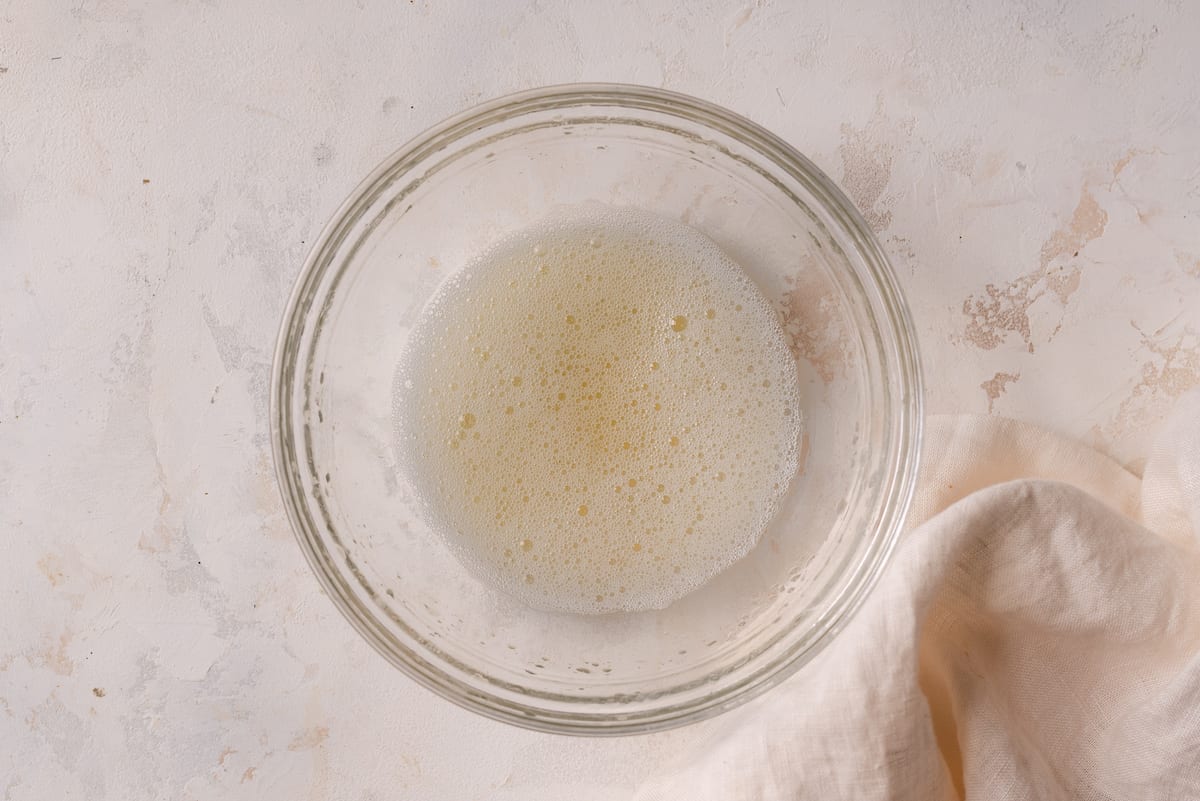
[[599, 413]]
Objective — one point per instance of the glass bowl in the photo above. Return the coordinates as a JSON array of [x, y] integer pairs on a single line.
[[451, 193]]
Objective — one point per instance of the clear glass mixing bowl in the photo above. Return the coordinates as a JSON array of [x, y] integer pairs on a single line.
[[445, 197]]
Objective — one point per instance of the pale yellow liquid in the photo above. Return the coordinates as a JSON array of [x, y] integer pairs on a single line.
[[599, 413]]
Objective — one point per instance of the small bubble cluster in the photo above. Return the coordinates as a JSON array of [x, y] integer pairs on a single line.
[[600, 413]]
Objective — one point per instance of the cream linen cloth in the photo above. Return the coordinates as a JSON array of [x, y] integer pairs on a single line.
[[1030, 640]]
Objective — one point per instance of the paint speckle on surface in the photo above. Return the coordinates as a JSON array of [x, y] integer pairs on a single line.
[[54, 656], [1189, 263], [867, 156], [1170, 366], [309, 738], [51, 567], [1087, 223], [996, 386], [812, 323], [1003, 310]]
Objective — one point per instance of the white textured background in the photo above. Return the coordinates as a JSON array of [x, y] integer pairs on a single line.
[[1032, 168]]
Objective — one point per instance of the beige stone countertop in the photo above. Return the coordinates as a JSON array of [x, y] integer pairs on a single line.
[[1032, 168]]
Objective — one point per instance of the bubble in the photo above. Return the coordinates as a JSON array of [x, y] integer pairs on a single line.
[[608, 398]]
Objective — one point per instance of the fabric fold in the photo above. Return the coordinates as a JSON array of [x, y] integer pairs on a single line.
[[1031, 639]]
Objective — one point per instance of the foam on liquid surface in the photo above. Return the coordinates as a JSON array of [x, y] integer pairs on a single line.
[[600, 413]]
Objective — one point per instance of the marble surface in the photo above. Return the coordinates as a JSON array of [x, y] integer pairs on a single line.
[[1031, 167]]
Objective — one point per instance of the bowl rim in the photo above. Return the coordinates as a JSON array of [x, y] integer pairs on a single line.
[[902, 469]]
